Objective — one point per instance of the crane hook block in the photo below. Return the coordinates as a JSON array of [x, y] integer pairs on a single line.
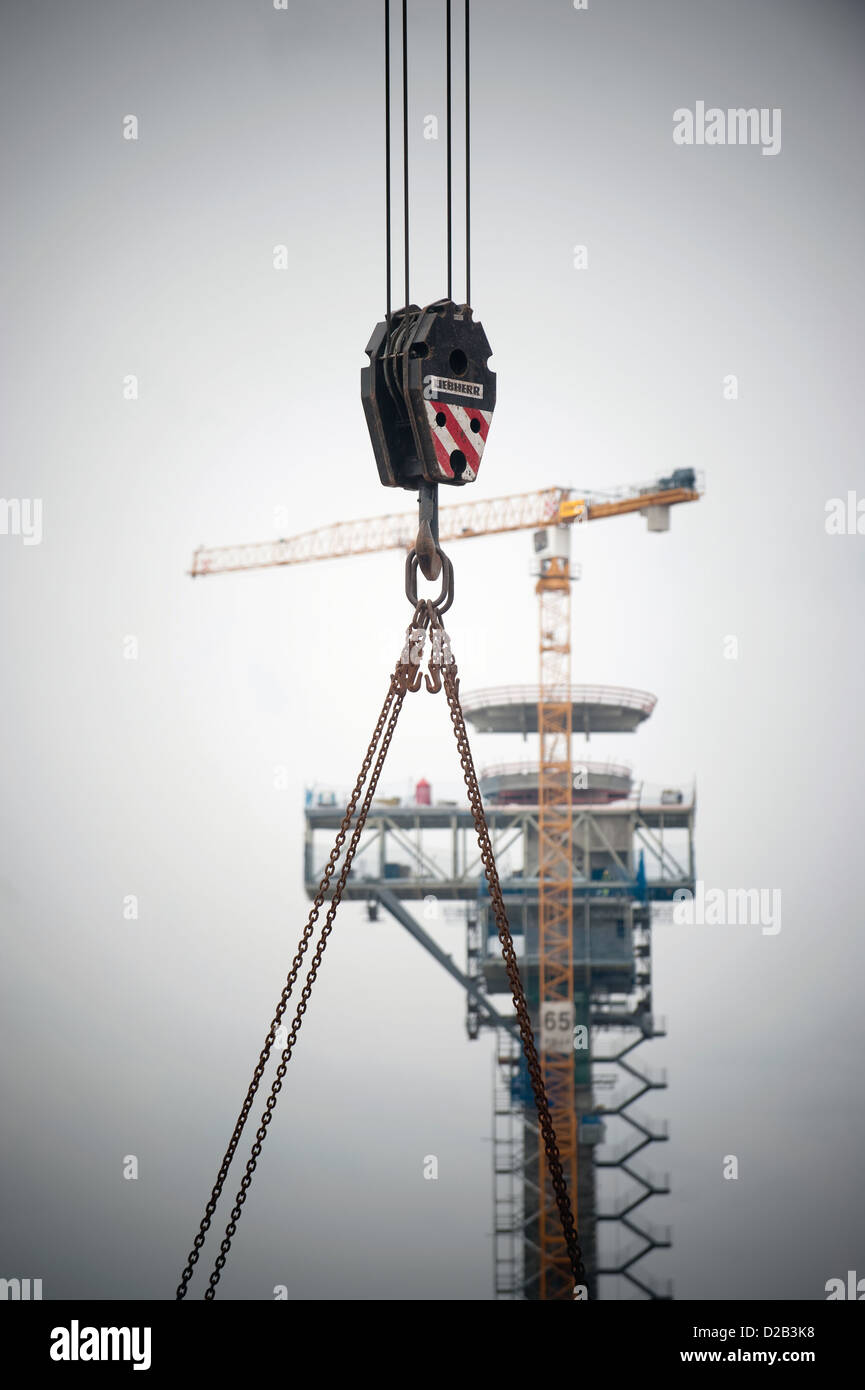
[[428, 395]]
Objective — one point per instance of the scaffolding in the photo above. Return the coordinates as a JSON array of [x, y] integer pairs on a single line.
[[631, 849]]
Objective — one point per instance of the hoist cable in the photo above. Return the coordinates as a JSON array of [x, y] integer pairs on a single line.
[[286, 994], [468, 168], [405, 140], [387, 152], [449, 153], [405, 150]]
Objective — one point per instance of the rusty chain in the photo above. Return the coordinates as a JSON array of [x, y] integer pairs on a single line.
[[396, 692], [261, 1133], [406, 677]]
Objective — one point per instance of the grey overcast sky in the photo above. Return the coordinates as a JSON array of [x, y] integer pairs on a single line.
[[155, 777]]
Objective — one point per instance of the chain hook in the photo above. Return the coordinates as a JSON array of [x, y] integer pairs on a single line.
[[441, 655]]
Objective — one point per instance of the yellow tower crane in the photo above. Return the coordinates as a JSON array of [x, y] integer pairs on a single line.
[[550, 513]]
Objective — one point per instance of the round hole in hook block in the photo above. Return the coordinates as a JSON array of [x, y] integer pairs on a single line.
[[441, 418], [458, 362], [475, 426], [458, 463]]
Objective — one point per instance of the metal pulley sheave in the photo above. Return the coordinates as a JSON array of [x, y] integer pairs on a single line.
[[428, 395]]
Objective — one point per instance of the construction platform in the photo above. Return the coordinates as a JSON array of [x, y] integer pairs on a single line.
[[595, 709], [509, 784], [432, 849]]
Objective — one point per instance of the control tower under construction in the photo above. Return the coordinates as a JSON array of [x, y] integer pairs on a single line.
[[632, 846]]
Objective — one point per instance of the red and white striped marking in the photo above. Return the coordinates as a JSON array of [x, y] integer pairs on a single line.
[[456, 433]]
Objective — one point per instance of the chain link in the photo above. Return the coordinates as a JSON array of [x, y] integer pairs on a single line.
[[305, 993], [396, 693]]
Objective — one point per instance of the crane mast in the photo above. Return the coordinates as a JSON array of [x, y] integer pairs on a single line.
[[555, 909]]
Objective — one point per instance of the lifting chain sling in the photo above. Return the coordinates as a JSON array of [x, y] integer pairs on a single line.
[[407, 677]]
